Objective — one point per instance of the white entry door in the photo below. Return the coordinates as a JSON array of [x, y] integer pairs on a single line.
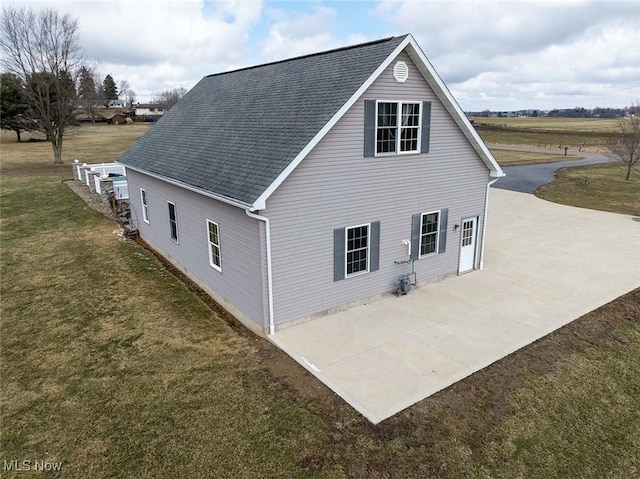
[[468, 244]]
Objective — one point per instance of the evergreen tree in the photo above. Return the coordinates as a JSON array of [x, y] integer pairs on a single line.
[[88, 92], [110, 89], [14, 106]]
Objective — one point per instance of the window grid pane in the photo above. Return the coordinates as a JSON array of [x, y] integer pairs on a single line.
[[467, 233], [387, 127], [410, 127], [357, 249], [215, 255], [429, 233]]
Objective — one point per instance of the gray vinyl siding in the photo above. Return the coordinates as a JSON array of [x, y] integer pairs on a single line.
[[335, 186], [241, 280]]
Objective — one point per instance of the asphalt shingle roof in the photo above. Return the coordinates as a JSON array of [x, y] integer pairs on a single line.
[[235, 132]]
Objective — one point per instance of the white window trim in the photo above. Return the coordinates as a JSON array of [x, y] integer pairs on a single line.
[[398, 128], [144, 200], [437, 248], [175, 211], [346, 251], [210, 244]]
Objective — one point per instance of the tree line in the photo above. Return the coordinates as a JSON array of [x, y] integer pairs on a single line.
[[577, 112], [46, 77]]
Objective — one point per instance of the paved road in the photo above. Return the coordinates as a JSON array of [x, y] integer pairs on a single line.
[[527, 178]]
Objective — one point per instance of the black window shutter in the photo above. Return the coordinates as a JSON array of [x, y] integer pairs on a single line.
[[426, 126], [416, 221], [369, 128], [374, 243], [444, 218], [338, 254]]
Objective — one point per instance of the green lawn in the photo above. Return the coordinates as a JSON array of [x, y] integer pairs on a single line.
[[113, 366], [517, 158], [597, 187]]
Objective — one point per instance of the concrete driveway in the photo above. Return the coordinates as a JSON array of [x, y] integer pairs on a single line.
[[545, 265]]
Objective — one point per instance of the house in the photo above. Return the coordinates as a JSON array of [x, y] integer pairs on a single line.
[[119, 118], [149, 110], [302, 187]]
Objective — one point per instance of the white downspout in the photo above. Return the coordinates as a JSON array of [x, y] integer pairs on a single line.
[[484, 223], [272, 328]]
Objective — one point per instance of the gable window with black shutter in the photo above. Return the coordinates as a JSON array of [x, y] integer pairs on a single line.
[[356, 250], [429, 233], [396, 127]]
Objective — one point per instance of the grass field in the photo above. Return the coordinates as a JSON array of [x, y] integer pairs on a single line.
[[561, 124], [598, 187], [552, 133], [112, 366], [517, 158]]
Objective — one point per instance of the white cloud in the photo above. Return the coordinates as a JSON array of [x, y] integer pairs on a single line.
[[300, 33], [157, 44], [499, 55], [511, 55], [295, 35]]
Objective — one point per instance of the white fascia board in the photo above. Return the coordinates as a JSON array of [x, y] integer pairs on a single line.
[[452, 106], [260, 203], [222, 199]]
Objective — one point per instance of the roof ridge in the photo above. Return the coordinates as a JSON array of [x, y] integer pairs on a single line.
[[308, 55]]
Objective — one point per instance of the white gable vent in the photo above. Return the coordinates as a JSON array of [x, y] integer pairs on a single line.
[[401, 72]]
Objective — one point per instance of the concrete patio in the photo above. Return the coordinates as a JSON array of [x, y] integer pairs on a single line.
[[545, 265]]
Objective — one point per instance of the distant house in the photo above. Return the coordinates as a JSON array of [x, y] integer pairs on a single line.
[[301, 187], [118, 119], [149, 110]]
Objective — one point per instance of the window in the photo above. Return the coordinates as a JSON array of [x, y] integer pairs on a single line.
[[145, 205], [398, 127], [429, 233], [173, 223], [214, 245], [357, 250]]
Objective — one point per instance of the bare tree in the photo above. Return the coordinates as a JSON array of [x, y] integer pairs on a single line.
[[130, 98], [168, 98], [625, 146], [123, 88], [127, 95], [43, 50], [88, 91], [15, 114]]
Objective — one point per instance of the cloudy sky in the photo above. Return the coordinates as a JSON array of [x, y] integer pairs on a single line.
[[493, 55]]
